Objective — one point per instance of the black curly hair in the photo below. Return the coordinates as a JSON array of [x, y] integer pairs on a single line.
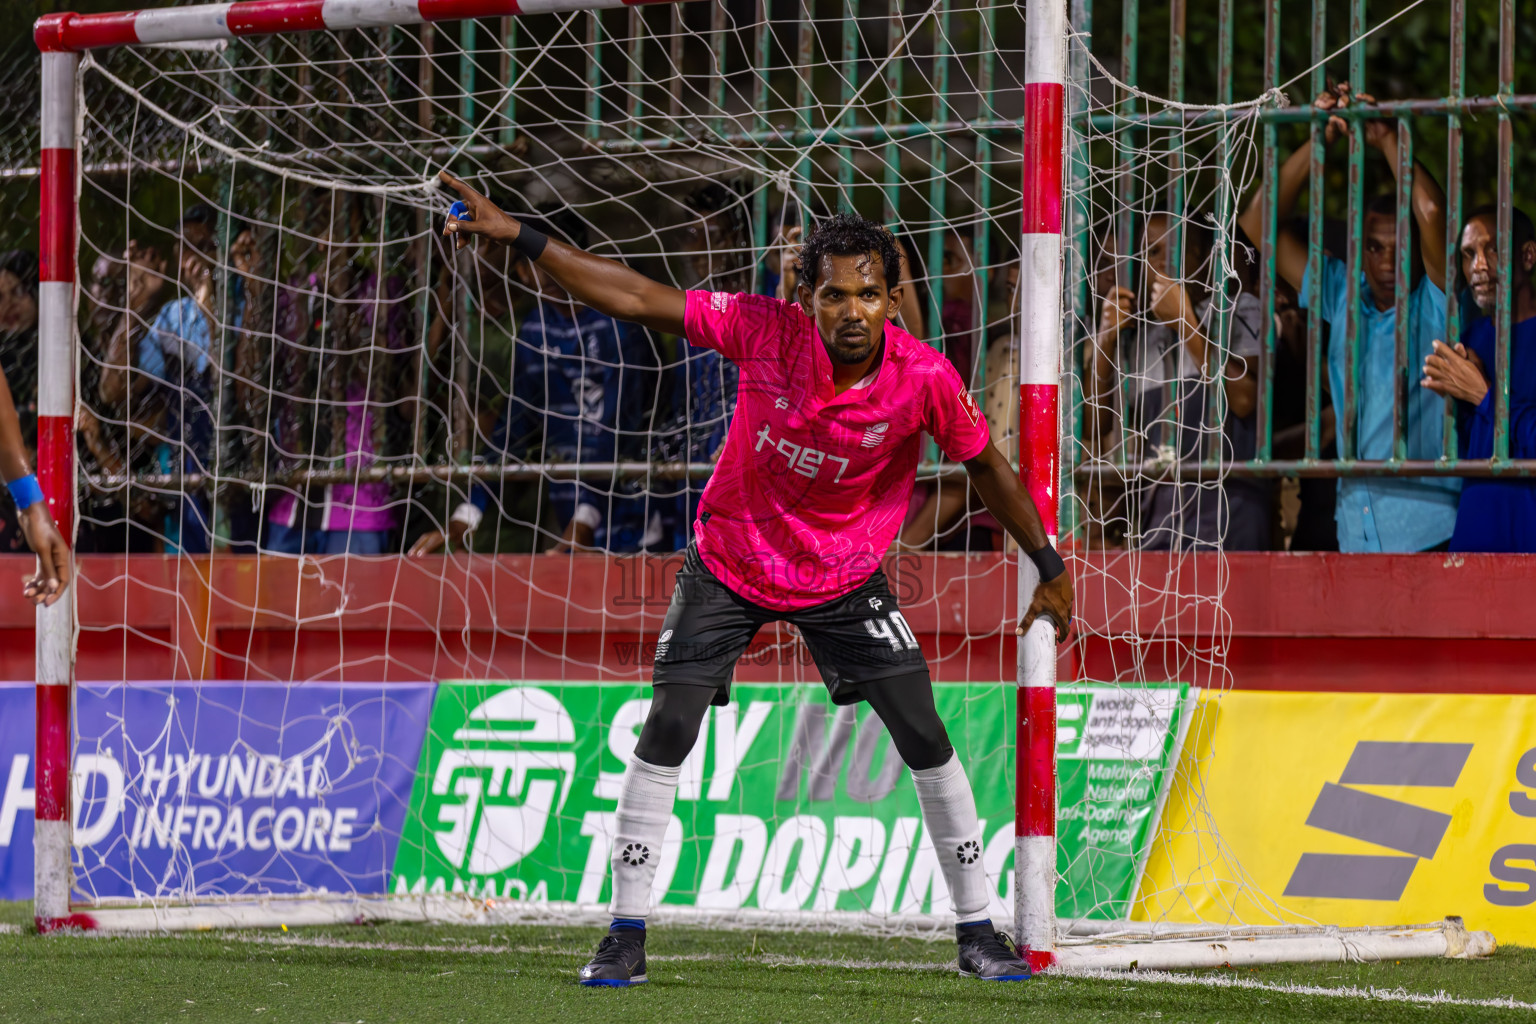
[[848, 234]]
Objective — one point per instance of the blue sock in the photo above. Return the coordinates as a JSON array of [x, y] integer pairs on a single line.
[[627, 922]]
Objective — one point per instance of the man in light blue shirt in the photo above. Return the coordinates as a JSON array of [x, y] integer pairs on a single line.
[[1378, 513], [176, 355]]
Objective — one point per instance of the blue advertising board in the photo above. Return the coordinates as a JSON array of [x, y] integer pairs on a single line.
[[223, 789], [18, 735]]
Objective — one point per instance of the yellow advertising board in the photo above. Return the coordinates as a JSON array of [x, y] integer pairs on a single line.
[[1351, 809]]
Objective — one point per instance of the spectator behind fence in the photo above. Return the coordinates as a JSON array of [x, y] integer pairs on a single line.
[[513, 510], [701, 384], [18, 335], [912, 316], [1495, 514], [1380, 513], [937, 507], [1000, 394], [339, 325], [581, 387], [934, 506], [1166, 354], [935, 517], [957, 314], [173, 372], [1307, 505], [110, 443]]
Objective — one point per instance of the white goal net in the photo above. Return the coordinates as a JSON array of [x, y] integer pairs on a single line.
[[307, 681]]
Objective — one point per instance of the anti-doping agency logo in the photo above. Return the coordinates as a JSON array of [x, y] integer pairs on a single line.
[[510, 770]]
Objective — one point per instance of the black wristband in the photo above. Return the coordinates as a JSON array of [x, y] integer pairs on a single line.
[[530, 242], [1048, 562]]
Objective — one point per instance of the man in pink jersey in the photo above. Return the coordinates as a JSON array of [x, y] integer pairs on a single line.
[[810, 491]]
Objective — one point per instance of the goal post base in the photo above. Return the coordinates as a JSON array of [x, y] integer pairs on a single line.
[[1449, 938], [280, 913], [1125, 948], [468, 910]]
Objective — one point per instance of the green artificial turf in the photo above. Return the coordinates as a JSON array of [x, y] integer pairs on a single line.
[[432, 973]]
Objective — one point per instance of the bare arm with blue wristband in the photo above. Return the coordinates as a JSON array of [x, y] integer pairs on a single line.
[[26, 492], [37, 524]]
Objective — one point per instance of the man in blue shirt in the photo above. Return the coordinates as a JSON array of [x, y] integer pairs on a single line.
[[177, 355], [1495, 514], [583, 387], [1380, 513]]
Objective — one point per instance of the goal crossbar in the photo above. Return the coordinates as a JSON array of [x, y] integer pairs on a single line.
[[69, 32]]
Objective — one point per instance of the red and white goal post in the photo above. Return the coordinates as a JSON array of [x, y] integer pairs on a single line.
[[64, 37]]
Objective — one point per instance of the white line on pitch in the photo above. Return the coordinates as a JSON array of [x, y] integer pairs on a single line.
[[768, 959], [1370, 994]]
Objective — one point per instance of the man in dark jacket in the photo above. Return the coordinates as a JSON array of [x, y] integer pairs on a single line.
[[1495, 514]]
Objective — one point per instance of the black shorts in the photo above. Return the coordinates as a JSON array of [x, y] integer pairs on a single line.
[[855, 639]]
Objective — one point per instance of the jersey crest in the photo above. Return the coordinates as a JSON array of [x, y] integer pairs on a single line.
[[969, 405], [874, 435]]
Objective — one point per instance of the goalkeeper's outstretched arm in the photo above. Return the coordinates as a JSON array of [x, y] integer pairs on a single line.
[[605, 285]]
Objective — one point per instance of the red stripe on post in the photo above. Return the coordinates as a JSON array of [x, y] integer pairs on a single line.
[[55, 471], [56, 248], [1039, 455], [52, 776], [265, 17], [1036, 796], [65, 32], [457, 10], [1042, 158]]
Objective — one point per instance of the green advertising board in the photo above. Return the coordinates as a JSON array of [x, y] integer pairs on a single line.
[[1115, 751], [787, 803]]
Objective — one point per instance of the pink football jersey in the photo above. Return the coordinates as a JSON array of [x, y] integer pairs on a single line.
[[811, 487]]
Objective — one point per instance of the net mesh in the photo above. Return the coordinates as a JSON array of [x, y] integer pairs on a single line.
[[1168, 327], [280, 355]]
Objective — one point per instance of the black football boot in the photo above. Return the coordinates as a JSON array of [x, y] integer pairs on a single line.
[[989, 954], [619, 961]]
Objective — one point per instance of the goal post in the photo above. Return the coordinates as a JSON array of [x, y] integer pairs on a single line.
[[689, 149], [1040, 442], [55, 647]]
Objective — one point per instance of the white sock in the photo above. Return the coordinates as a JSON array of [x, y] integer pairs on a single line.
[[949, 815], [645, 807]]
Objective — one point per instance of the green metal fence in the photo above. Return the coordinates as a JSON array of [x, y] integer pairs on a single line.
[[910, 114], [1374, 51]]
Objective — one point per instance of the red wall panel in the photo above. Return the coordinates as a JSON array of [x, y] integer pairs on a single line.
[[1317, 621]]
